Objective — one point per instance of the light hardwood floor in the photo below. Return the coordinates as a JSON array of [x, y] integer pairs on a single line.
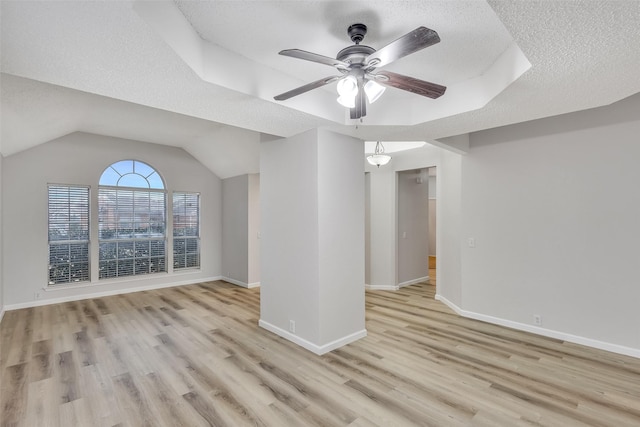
[[194, 356]]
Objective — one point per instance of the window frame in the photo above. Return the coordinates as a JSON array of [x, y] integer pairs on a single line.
[[117, 240]]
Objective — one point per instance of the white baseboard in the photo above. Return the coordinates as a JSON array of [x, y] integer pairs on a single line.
[[589, 342], [413, 282], [314, 348], [48, 301], [1, 313], [381, 287], [240, 283], [396, 287]]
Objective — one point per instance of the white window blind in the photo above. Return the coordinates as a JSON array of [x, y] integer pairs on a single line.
[[68, 216], [186, 230]]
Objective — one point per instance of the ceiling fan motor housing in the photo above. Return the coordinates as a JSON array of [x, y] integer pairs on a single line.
[[355, 54], [357, 32]]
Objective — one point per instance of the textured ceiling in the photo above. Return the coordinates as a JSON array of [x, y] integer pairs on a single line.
[[321, 27], [110, 67]]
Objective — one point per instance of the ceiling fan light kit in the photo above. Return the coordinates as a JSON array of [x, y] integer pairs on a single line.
[[347, 89], [373, 90], [358, 65]]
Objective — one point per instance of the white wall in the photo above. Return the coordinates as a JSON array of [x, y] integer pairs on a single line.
[[235, 231], [554, 208], [80, 158], [312, 211], [413, 227]]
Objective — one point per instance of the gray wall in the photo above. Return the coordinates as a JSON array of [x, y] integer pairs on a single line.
[[448, 235], [382, 206], [432, 211], [554, 208], [367, 228], [1, 238], [254, 230], [235, 220], [241, 229], [80, 158], [289, 211]]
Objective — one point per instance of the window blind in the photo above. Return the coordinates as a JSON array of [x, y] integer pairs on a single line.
[[186, 230], [131, 226], [68, 224]]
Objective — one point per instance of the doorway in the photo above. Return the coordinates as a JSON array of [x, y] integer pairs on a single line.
[[412, 227]]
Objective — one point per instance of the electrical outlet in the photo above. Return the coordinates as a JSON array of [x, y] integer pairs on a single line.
[[36, 295], [292, 326], [537, 320], [472, 242]]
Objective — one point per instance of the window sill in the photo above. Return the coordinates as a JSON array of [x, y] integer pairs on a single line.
[[127, 279]]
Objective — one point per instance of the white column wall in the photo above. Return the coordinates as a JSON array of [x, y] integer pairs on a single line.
[[341, 236], [312, 214], [289, 237]]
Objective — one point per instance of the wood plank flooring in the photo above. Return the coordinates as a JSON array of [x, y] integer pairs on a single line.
[[194, 356]]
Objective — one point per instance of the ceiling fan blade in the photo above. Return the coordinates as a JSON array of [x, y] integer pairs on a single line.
[[314, 57], [410, 84], [306, 88], [411, 42]]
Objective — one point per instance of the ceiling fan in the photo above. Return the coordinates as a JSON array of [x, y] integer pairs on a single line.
[[359, 67]]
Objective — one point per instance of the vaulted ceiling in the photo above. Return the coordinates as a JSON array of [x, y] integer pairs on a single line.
[[202, 74]]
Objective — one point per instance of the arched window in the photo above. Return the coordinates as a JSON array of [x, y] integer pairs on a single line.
[[131, 220]]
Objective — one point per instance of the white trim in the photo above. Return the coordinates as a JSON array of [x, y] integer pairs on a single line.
[[2, 310], [589, 342], [381, 287], [314, 348], [240, 283], [413, 282], [41, 302]]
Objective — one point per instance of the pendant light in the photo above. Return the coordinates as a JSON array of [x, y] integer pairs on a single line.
[[378, 158]]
